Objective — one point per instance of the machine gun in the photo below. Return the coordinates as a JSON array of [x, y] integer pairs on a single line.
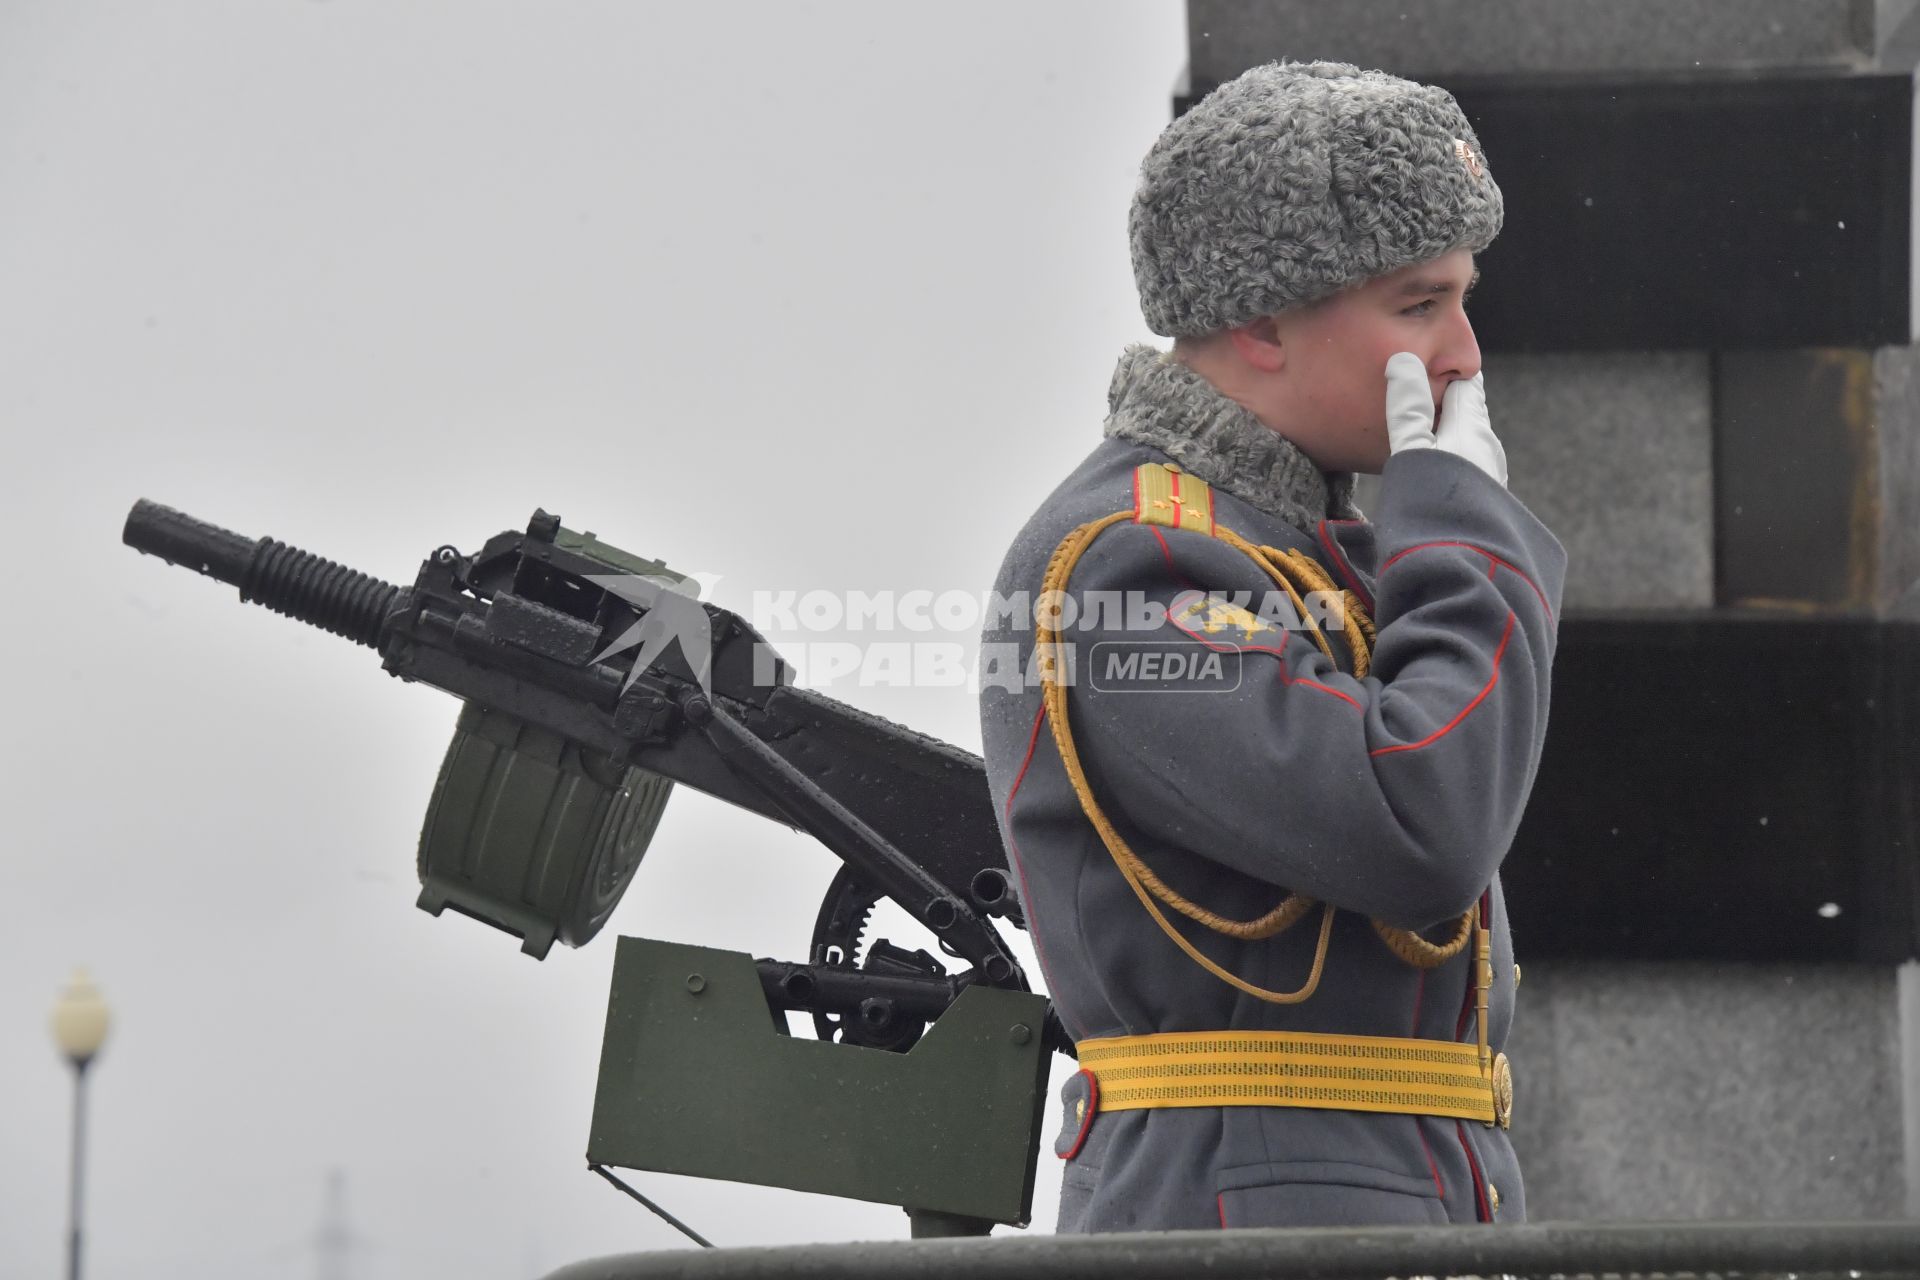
[[925, 1088]]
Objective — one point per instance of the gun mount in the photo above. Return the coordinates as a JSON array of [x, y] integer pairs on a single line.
[[593, 681]]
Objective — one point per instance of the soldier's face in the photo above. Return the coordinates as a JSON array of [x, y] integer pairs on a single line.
[[1333, 380]]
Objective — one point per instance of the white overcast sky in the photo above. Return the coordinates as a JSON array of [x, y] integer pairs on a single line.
[[803, 295]]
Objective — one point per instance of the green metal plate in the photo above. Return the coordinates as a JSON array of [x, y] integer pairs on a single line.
[[695, 1078]]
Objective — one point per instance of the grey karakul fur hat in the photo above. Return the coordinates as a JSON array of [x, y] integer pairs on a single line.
[[1296, 180]]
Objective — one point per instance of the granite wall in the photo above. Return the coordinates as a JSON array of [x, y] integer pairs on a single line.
[[1682, 1089]]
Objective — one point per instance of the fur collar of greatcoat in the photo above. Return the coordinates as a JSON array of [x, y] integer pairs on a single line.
[[1159, 402]]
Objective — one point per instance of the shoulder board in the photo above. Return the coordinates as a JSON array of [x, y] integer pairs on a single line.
[[1163, 494]]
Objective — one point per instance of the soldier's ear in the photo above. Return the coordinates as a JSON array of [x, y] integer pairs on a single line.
[[1258, 342]]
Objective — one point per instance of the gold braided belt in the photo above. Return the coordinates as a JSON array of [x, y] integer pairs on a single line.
[[1235, 1068], [1297, 1069]]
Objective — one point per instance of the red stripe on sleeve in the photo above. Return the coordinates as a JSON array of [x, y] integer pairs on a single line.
[[1504, 564], [1478, 698], [1315, 684]]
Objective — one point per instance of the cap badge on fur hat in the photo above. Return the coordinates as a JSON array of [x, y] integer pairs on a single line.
[[1467, 157]]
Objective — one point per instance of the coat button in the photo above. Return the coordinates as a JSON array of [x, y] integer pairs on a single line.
[[1493, 1198], [1516, 977]]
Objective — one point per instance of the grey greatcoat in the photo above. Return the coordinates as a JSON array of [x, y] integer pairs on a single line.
[[1394, 796]]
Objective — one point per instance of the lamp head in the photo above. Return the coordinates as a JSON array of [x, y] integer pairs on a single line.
[[80, 1019]]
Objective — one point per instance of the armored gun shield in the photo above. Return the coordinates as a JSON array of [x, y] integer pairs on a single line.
[[695, 1079]]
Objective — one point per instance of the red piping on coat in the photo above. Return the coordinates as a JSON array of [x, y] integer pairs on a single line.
[[1286, 681], [1473, 1167], [1280, 670], [1086, 1121], [1467, 1008], [1167, 552], [1020, 867], [1450, 725], [1315, 684], [1419, 992], [1340, 562], [1432, 1166], [1505, 564]]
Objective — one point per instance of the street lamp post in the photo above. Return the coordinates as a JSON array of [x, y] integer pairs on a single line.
[[79, 1028]]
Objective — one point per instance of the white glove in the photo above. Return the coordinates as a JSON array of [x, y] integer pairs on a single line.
[[1464, 429]]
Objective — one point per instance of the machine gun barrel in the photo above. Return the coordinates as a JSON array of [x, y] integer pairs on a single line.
[[285, 579]]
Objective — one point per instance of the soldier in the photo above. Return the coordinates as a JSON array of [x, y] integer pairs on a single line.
[[1262, 757]]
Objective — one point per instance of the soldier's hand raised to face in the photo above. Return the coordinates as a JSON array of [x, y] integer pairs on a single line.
[[1463, 429]]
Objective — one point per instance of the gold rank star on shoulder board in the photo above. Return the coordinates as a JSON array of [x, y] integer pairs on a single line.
[[1165, 495]]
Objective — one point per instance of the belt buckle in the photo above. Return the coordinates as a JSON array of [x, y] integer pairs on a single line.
[[1502, 1092]]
